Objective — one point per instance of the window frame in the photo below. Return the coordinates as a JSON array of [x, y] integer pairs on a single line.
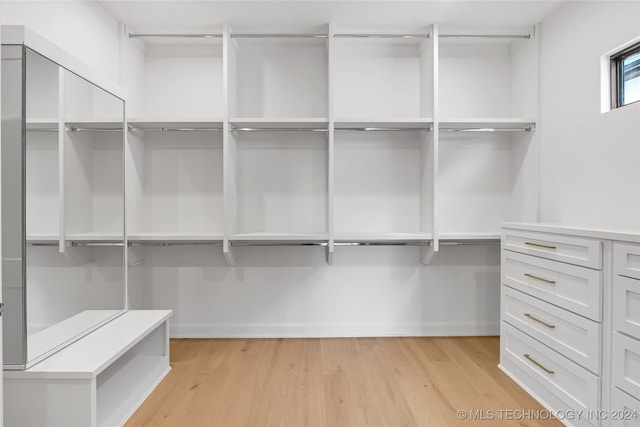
[[616, 74]]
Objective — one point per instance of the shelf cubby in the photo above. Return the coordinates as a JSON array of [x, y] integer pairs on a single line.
[[278, 182], [382, 77], [383, 183], [178, 78], [486, 77], [484, 179], [176, 190], [275, 77]]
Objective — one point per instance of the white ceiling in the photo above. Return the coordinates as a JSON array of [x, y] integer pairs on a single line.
[[303, 15]]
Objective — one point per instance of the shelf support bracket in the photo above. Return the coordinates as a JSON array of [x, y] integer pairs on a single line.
[[134, 256], [228, 252], [330, 247], [79, 254], [426, 253]]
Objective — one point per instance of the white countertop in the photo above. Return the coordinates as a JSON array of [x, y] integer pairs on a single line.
[[575, 230]]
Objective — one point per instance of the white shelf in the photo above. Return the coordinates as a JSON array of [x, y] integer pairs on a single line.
[[403, 123], [175, 237], [382, 237], [493, 122], [469, 237], [42, 123], [89, 356], [95, 236], [287, 237], [289, 122], [42, 238], [196, 123], [62, 332], [112, 123]]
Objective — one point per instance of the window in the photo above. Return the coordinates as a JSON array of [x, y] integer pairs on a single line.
[[625, 76]]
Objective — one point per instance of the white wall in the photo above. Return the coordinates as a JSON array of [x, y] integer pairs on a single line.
[[276, 292], [590, 162], [84, 29]]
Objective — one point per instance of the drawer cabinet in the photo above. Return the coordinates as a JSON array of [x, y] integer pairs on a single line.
[[625, 361], [626, 260], [578, 388], [567, 333], [573, 288], [625, 410], [626, 305], [572, 250]]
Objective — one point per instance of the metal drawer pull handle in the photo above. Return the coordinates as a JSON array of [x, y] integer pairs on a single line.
[[542, 322], [531, 276], [539, 365], [539, 245]]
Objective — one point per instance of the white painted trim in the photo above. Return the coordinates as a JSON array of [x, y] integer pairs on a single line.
[[320, 330], [19, 34]]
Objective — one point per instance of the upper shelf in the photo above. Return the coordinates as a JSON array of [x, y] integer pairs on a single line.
[[382, 237], [169, 124], [401, 123], [280, 123], [279, 237]]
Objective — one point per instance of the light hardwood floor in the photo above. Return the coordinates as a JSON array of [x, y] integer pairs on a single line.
[[356, 382]]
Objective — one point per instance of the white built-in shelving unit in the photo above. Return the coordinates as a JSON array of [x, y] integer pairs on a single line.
[[333, 136]]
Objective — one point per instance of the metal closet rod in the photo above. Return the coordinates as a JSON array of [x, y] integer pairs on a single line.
[[468, 242], [383, 243], [277, 243], [485, 36], [526, 129], [256, 129], [183, 35], [382, 36], [173, 129], [372, 129], [96, 244], [176, 243], [277, 36], [79, 129]]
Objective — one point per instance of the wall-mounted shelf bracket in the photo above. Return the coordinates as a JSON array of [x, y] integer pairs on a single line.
[[426, 253], [228, 252]]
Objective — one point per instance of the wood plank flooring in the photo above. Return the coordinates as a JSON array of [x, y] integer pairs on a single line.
[[355, 382]]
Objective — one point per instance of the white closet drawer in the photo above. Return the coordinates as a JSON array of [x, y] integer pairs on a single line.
[[625, 362], [626, 260], [576, 387], [576, 289], [625, 410], [626, 305], [567, 333], [572, 250]]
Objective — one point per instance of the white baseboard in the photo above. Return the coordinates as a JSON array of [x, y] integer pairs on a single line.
[[316, 330]]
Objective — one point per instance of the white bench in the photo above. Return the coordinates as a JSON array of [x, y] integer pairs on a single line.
[[98, 381]]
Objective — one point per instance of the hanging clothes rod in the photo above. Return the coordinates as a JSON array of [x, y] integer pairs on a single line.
[[372, 129], [189, 36], [485, 36], [97, 244], [383, 36], [78, 129], [277, 243], [385, 243], [175, 243], [42, 243], [252, 129], [277, 36], [526, 129], [469, 242], [172, 129]]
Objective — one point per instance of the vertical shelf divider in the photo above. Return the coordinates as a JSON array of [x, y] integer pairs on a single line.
[[61, 144], [330, 144], [427, 252], [228, 144]]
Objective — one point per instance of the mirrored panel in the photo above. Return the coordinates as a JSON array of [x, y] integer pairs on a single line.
[[65, 196]]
